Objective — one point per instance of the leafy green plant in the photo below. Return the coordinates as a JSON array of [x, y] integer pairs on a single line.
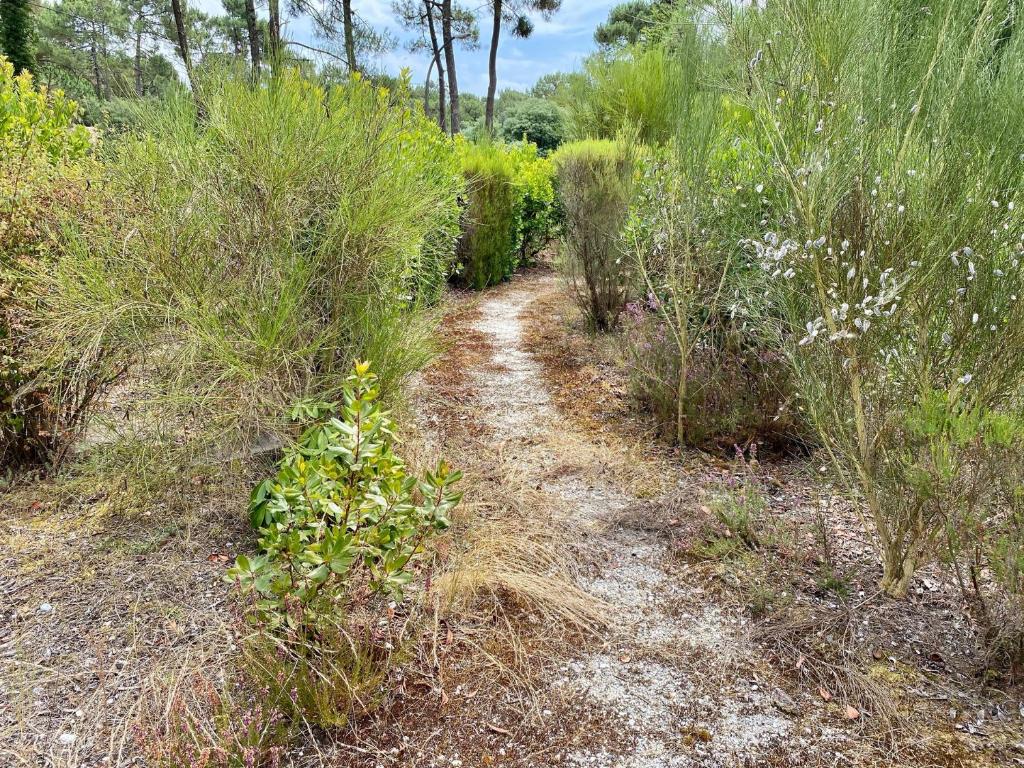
[[696, 345], [342, 515], [540, 216], [594, 185]]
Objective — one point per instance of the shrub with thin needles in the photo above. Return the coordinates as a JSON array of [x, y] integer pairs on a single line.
[[595, 180], [894, 133], [694, 343], [259, 248]]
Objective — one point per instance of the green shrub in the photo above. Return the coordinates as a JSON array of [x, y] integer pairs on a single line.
[[342, 514], [538, 121], [535, 175], [637, 90], [258, 249], [696, 344], [510, 212], [488, 250], [44, 171], [594, 186], [893, 133]]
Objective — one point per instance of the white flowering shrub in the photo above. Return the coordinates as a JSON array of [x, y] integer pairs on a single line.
[[895, 133], [694, 339]]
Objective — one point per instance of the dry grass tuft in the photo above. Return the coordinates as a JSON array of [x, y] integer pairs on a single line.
[[823, 650], [517, 557]]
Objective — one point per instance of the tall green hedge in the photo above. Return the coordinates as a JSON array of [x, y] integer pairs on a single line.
[[509, 210], [488, 248]]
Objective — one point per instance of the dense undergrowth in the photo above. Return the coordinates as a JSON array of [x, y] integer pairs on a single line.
[[188, 298], [45, 169], [823, 245]]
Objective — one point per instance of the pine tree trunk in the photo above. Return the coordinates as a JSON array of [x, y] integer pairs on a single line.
[[139, 90], [94, 59], [178, 10], [492, 67], [350, 36], [436, 49], [449, 55], [274, 30], [252, 28]]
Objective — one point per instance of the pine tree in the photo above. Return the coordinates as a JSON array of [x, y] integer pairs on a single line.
[[16, 34]]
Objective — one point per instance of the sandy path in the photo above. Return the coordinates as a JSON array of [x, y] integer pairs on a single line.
[[659, 674]]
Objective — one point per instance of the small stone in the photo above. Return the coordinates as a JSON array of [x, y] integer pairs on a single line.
[[45, 608], [67, 738], [784, 702]]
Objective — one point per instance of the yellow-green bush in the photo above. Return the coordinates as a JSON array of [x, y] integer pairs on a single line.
[[510, 210], [488, 250], [263, 247], [43, 172], [639, 90], [536, 176]]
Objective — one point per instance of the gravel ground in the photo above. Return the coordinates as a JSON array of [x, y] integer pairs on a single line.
[[641, 678]]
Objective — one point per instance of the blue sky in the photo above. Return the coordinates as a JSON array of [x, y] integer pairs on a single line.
[[558, 44]]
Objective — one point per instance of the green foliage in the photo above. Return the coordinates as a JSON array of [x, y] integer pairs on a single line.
[[43, 168], [538, 121], [895, 246], [510, 211], [36, 138], [639, 90], [16, 34], [535, 177], [488, 250], [735, 523], [630, 22], [342, 513], [290, 229], [594, 185], [696, 345]]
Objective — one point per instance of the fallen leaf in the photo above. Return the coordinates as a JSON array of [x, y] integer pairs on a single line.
[[625, 658], [851, 713], [217, 557], [825, 695]]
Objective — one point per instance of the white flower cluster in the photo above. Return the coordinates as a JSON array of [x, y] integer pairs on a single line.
[[780, 258]]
